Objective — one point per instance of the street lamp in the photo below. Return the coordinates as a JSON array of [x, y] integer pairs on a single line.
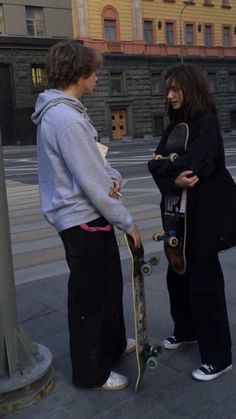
[[187, 3]]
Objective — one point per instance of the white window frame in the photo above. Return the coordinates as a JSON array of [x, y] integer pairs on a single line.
[[1, 20], [156, 83], [36, 23], [170, 33], [208, 36]]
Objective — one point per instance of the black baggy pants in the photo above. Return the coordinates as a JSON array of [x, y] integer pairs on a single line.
[[95, 310], [198, 308]]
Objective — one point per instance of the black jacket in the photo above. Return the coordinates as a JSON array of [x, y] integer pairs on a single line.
[[211, 204]]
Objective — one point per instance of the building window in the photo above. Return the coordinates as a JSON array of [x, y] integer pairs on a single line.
[[35, 21], [110, 19], [226, 36], [148, 31], [189, 34], [39, 77], [170, 33], [208, 35], [1, 21], [110, 29], [117, 83], [233, 120], [225, 3], [156, 84], [208, 3], [212, 81], [232, 82]]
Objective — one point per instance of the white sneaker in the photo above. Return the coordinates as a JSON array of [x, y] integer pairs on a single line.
[[208, 372], [115, 381], [130, 347]]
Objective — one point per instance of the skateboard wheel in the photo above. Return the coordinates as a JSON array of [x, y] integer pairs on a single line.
[[173, 156], [154, 261], [158, 157], [173, 241], [152, 362], [146, 269], [157, 237]]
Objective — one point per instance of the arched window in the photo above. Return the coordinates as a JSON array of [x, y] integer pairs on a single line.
[[110, 19]]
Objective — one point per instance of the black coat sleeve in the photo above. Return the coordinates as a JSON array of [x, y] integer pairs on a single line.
[[200, 156]]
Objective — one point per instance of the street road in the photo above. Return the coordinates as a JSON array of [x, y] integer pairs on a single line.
[[37, 249], [129, 158]]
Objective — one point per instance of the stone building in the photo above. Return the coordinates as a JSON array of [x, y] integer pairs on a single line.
[[140, 39], [26, 33]]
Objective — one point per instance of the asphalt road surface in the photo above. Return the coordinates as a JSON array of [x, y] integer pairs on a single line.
[[37, 249]]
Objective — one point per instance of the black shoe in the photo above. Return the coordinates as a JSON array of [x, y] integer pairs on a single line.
[[209, 372], [173, 342]]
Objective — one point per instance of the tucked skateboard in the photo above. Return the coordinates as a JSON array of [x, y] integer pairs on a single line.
[[175, 219], [146, 355]]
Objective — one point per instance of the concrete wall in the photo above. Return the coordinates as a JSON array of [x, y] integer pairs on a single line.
[[19, 58], [140, 104]]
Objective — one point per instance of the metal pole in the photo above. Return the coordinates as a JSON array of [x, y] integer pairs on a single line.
[[190, 3], [25, 368], [180, 34]]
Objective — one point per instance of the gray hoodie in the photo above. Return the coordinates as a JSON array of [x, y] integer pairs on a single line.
[[74, 178]]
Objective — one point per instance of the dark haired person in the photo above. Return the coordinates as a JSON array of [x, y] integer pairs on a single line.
[[79, 197], [197, 298]]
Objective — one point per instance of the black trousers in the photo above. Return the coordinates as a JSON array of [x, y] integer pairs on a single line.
[[95, 310], [198, 308]]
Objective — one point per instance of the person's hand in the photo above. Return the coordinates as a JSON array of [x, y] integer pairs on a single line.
[[186, 180], [115, 190], [136, 235]]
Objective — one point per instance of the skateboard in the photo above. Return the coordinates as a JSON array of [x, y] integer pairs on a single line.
[[146, 355], [175, 219]]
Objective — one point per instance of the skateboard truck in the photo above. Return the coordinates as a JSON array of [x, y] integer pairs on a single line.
[[146, 267], [169, 238], [171, 157], [150, 355]]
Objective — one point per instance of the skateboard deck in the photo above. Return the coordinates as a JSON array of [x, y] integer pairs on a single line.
[[175, 219], [145, 354]]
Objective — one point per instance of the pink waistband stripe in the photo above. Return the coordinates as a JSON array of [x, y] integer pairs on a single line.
[[85, 227]]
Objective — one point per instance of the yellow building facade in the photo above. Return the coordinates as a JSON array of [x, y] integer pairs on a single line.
[[162, 27], [140, 40]]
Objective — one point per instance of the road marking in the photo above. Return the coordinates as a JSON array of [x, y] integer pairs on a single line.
[[19, 168], [147, 190], [137, 178]]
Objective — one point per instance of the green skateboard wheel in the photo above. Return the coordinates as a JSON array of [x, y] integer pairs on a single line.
[[152, 362]]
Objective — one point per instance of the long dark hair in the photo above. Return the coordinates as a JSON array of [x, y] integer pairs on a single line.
[[196, 94]]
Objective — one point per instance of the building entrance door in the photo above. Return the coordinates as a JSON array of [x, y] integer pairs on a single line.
[[119, 124], [233, 120], [158, 125], [6, 106]]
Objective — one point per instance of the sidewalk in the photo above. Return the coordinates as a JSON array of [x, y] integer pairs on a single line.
[[168, 392]]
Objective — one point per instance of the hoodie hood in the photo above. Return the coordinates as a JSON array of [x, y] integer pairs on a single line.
[[52, 97]]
